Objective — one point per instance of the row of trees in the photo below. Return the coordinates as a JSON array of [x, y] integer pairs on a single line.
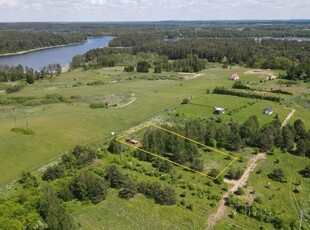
[[16, 73], [223, 90]]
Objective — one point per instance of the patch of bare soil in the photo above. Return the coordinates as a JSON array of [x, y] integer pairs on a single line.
[[260, 72], [111, 99], [190, 76]]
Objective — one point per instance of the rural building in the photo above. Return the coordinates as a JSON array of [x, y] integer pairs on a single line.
[[219, 111], [268, 110], [234, 77], [131, 141]]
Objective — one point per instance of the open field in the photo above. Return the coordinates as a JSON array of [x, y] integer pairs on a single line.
[[60, 126], [132, 100]]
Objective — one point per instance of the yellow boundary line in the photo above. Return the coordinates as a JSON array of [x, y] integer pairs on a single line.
[[175, 163]]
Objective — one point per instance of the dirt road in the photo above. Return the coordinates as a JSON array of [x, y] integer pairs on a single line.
[[215, 217], [288, 117]]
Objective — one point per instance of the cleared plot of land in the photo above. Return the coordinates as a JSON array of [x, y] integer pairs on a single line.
[[212, 158]]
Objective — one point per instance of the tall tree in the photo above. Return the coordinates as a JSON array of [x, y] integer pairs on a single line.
[[57, 217], [288, 138], [250, 130]]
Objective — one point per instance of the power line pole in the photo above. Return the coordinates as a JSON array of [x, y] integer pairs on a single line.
[[300, 218]]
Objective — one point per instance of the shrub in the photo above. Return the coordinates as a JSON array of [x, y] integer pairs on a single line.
[[185, 101], [240, 191], [87, 185], [98, 105], [129, 189], [53, 172], [277, 175], [13, 89], [34, 102], [23, 131]]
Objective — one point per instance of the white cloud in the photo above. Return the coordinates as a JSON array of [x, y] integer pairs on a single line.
[[10, 3], [116, 10]]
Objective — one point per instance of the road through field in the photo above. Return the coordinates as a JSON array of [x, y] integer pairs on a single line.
[[288, 117], [215, 217]]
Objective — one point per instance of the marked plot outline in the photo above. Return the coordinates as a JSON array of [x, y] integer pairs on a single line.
[[120, 140]]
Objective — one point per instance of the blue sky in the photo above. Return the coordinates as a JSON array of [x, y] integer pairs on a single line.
[[151, 10]]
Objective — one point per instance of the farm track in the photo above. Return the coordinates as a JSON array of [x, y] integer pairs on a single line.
[[215, 217], [288, 117]]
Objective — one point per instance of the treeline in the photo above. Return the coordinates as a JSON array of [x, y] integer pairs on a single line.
[[16, 73], [109, 57], [279, 54], [15, 41], [223, 90], [173, 29]]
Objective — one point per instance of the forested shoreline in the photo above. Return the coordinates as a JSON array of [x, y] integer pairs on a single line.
[[18, 41]]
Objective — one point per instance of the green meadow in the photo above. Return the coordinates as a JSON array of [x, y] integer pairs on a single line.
[[58, 111], [60, 126]]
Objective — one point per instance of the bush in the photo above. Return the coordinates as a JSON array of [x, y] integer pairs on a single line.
[[277, 175], [115, 176], [98, 105], [240, 191], [87, 185], [53, 99], [185, 101], [34, 102], [23, 131], [129, 189], [53, 172], [306, 172], [129, 68], [13, 89], [95, 83]]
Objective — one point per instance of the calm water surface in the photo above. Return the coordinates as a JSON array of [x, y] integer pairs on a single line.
[[61, 55]]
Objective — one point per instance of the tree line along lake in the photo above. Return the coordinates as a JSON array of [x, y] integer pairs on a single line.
[[62, 55]]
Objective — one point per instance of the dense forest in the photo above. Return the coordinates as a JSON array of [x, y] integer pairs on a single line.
[[279, 29], [15, 41]]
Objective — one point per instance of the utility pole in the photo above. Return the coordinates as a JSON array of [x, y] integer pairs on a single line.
[[300, 218]]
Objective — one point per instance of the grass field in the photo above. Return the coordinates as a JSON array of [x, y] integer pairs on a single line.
[[60, 126], [280, 196]]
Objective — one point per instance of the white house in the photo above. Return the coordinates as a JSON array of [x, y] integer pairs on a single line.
[[234, 77], [268, 110]]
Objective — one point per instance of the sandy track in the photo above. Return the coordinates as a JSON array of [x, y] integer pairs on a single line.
[[215, 217], [288, 118]]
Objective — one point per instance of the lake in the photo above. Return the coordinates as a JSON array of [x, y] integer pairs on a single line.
[[62, 55]]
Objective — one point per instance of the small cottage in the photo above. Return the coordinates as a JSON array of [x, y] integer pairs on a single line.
[[268, 110], [234, 77], [219, 111]]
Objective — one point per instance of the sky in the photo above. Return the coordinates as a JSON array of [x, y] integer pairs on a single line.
[[151, 10]]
